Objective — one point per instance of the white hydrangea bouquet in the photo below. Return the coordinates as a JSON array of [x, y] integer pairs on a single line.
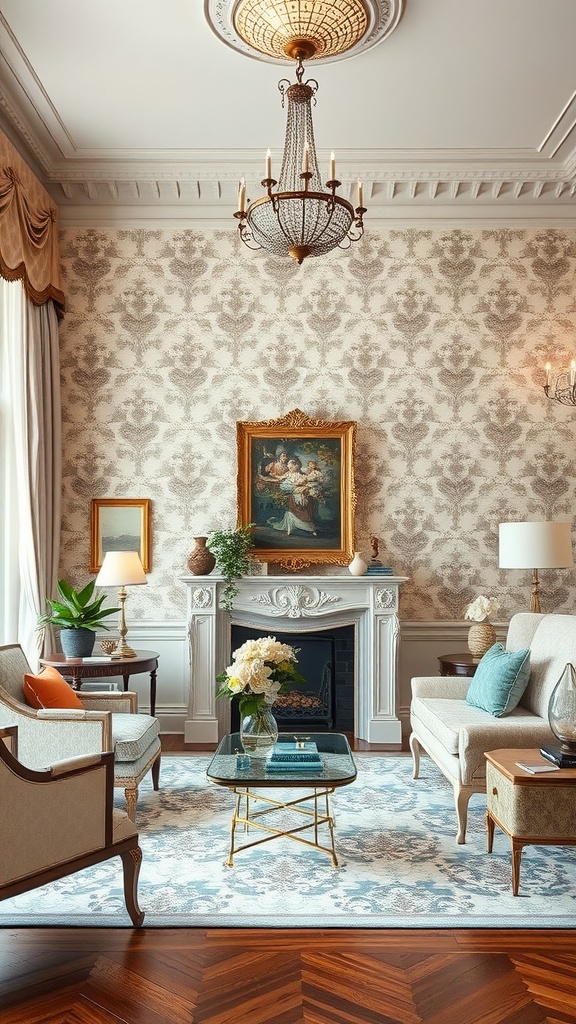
[[482, 608], [261, 669]]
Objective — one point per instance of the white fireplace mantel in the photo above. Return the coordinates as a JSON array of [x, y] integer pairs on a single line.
[[296, 605]]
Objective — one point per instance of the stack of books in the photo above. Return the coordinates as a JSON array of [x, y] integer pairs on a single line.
[[377, 569], [297, 756]]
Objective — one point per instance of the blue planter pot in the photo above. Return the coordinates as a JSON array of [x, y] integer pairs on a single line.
[[77, 643]]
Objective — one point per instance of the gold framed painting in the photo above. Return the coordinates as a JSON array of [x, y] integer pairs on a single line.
[[120, 524], [296, 486]]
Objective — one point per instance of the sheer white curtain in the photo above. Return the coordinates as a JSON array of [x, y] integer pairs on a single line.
[[30, 460]]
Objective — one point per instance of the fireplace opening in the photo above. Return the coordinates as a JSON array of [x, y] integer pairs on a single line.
[[326, 661]]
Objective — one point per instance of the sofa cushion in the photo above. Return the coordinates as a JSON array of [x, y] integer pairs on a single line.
[[133, 735], [444, 718], [554, 645], [500, 680], [49, 689]]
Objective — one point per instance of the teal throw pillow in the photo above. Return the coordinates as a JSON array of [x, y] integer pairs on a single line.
[[500, 680]]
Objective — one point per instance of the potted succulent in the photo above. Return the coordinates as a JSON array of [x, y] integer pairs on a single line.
[[231, 549], [77, 617]]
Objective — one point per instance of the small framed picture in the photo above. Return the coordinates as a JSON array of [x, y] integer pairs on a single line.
[[120, 524]]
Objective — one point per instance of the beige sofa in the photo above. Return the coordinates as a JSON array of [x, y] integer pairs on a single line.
[[456, 735]]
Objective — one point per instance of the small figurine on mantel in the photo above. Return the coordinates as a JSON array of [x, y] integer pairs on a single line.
[[375, 566]]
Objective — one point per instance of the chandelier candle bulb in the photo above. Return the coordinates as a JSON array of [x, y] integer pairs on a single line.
[[306, 160], [241, 194], [548, 368], [572, 373], [332, 167], [360, 194], [268, 164]]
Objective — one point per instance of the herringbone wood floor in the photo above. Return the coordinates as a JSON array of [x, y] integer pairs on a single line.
[[285, 976], [187, 976]]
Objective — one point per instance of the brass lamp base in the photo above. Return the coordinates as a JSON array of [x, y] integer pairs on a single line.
[[123, 651]]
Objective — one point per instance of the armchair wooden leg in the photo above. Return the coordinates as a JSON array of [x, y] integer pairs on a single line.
[[131, 861], [156, 773], [131, 801]]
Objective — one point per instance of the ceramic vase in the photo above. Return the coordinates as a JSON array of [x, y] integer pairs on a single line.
[[200, 561], [357, 566], [258, 733], [481, 637]]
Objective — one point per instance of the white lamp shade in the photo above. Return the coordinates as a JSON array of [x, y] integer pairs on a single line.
[[535, 546], [121, 569]]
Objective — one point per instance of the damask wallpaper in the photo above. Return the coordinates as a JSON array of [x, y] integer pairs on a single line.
[[433, 341]]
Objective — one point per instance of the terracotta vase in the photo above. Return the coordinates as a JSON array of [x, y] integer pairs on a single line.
[[200, 561], [481, 637]]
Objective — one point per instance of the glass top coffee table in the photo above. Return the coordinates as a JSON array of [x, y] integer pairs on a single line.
[[307, 813]]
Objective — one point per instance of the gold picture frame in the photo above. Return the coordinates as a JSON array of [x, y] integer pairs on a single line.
[[120, 524], [302, 514]]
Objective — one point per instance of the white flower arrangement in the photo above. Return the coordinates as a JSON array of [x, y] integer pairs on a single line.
[[482, 608], [261, 669]]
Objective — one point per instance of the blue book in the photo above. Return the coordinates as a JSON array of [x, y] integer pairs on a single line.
[[294, 766], [305, 752]]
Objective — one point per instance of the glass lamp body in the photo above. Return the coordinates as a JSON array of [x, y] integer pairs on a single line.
[[562, 710]]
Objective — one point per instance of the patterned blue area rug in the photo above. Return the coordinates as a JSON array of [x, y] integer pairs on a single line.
[[400, 866]]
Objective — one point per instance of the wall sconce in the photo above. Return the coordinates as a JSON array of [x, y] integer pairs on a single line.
[[563, 389]]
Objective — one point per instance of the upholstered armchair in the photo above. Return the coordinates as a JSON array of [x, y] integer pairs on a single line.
[[60, 820], [105, 722]]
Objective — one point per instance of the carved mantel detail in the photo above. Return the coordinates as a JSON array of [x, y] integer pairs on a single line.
[[296, 601]]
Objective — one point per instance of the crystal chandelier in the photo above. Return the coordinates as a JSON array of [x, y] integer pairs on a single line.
[[298, 215], [299, 219], [563, 389]]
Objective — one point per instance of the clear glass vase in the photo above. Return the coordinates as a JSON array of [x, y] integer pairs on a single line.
[[259, 732], [562, 710]]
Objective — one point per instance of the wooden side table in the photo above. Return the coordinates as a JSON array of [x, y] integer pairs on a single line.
[[458, 664], [534, 810], [78, 669]]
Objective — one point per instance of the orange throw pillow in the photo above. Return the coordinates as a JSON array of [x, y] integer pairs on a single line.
[[49, 689]]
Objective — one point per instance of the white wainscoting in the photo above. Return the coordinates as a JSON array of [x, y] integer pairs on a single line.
[[421, 643]]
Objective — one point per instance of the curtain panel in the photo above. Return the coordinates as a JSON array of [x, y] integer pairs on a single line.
[[28, 230]]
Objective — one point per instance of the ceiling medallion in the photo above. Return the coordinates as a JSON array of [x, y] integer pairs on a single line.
[[324, 30]]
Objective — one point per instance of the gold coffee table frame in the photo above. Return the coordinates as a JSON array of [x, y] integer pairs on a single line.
[[338, 770]]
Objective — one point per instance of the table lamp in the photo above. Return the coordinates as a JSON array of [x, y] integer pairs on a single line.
[[121, 569], [535, 546]]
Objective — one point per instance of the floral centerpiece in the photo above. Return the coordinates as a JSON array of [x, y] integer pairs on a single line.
[[261, 670], [482, 635]]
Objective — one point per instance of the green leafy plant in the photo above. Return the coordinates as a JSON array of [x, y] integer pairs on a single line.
[[231, 550], [76, 610]]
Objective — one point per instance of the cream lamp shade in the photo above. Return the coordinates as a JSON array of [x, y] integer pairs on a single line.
[[122, 569], [535, 545]]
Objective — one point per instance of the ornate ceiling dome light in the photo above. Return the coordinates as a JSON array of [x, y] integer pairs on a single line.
[[301, 217]]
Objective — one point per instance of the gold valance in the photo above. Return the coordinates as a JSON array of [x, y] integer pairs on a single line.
[[28, 230]]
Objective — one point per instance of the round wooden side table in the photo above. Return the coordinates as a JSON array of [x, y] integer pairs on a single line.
[[78, 669], [458, 664]]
